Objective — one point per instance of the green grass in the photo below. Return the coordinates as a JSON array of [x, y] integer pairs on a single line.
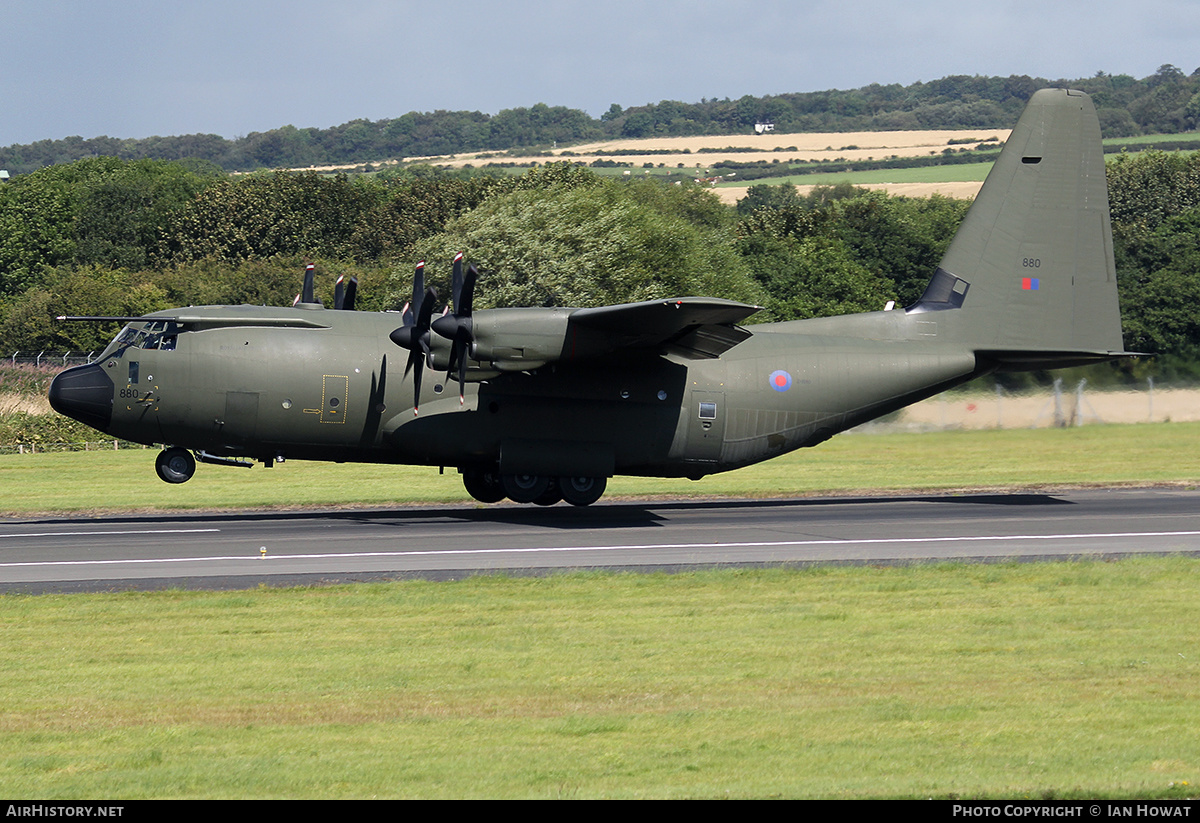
[[962, 172], [1151, 138], [1021, 680], [1126, 454]]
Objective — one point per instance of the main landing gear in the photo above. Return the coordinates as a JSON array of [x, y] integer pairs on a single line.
[[492, 487]]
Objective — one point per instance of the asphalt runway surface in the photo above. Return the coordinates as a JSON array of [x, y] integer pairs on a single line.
[[244, 550]]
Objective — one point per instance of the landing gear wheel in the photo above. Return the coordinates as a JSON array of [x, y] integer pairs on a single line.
[[483, 486], [551, 496], [524, 488], [175, 465], [582, 491]]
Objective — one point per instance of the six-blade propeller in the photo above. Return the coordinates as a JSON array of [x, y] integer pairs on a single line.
[[416, 333], [455, 326]]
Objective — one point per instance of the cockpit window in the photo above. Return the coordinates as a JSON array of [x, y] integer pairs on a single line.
[[158, 334]]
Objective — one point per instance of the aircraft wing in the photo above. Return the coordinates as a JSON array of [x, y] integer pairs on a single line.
[[519, 339], [700, 326], [223, 317]]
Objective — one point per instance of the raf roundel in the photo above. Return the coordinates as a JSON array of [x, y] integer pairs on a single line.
[[780, 380]]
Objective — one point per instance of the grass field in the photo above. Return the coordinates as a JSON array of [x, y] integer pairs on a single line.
[[1127, 454], [1023, 681]]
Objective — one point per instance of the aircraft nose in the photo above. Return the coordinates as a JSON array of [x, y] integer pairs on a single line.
[[84, 393]]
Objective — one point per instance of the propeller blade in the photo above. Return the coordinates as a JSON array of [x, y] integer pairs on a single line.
[[462, 378], [416, 338], [351, 294], [413, 306], [414, 335], [310, 272], [417, 360], [456, 279], [466, 296], [339, 291], [457, 327]]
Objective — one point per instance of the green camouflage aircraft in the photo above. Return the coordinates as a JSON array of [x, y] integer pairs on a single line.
[[553, 401]]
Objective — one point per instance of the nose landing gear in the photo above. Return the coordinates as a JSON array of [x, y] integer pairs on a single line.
[[175, 465]]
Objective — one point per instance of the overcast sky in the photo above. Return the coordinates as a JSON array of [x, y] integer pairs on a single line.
[[161, 67]]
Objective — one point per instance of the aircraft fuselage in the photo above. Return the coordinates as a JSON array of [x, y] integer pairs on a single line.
[[337, 392]]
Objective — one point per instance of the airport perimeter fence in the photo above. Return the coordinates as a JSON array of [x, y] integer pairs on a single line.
[[81, 446], [1059, 406], [52, 359]]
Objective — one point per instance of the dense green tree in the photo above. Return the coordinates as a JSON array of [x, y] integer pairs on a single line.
[[811, 276], [883, 248], [101, 211], [900, 239], [265, 215], [585, 243], [1145, 189], [411, 210], [1159, 276], [28, 322], [764, 195]]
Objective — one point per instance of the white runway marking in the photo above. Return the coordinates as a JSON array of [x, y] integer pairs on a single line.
[[256, 558], [105, 533]]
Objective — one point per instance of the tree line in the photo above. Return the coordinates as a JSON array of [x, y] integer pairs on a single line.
[[1166, 102]]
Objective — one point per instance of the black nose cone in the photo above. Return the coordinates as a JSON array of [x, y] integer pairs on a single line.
[[84, 393]]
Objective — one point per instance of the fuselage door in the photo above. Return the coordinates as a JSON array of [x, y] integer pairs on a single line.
[[241, 416], [706, 426]]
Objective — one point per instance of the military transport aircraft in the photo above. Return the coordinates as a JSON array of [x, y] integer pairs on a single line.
[[544, 404]]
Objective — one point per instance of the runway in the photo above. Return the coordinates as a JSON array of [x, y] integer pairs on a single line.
[[232, 551]]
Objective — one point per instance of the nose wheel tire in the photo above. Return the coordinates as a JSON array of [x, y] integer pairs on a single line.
[[175, 465]]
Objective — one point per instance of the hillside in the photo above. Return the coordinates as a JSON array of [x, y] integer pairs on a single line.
[[1166, 102]]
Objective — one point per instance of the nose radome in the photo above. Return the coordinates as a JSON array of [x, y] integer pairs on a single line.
[[84, 393]]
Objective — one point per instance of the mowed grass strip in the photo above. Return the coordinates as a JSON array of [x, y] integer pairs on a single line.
[[1016, 680], [961, 172], [1115, 454]]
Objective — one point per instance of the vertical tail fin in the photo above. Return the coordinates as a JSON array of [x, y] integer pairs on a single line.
[[1030, 270]]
